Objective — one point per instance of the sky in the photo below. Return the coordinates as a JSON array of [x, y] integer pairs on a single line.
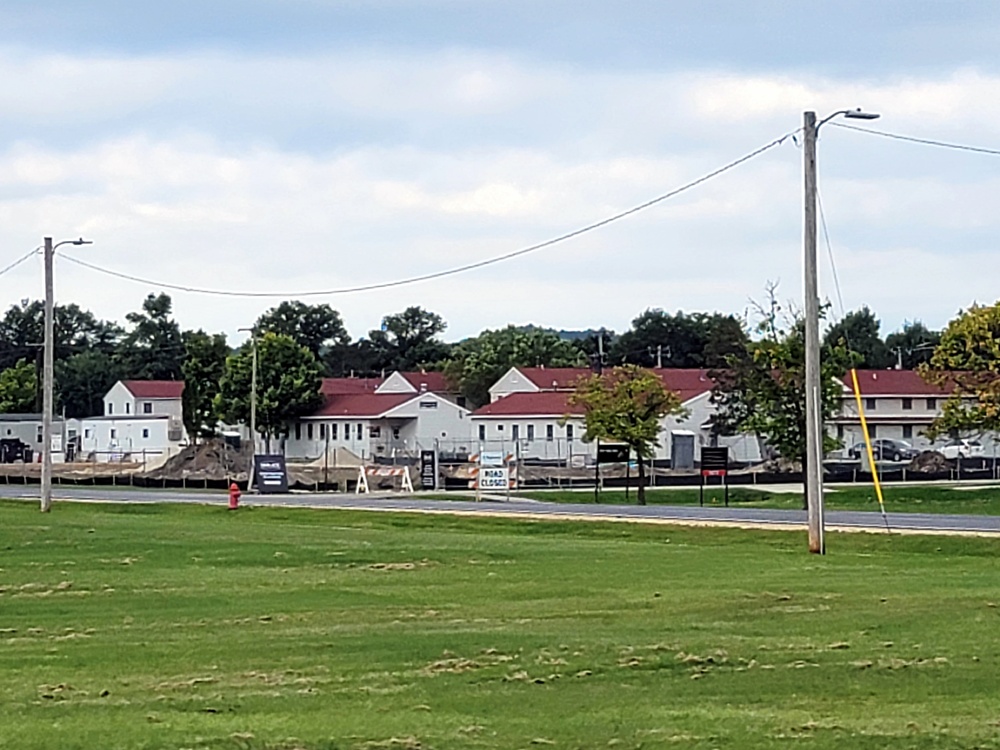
[[293, 146]]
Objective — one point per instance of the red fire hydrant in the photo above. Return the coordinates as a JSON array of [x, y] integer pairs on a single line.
[[234, 496]]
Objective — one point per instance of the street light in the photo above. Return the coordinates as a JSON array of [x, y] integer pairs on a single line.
[[814, 417], [47, 370]]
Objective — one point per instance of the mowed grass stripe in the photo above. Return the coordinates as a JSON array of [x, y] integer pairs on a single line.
[[168, 627]]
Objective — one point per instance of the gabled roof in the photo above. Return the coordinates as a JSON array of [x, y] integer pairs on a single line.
[[893, 383], [687, 383], [365, 405], [342, 386], [534, 404], [435, 382], [155, 388]]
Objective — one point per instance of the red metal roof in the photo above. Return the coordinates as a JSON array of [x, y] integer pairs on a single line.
[[435, 382], [155, 388], [687, 383], [349, 405], [343, 386], [893, 383], [536, 404]]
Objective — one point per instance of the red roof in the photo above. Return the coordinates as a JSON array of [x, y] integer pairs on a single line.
[[687, 383], [155, 388], [435, 382], [893, 383], [351, 405], [342, 386], [539, 404]]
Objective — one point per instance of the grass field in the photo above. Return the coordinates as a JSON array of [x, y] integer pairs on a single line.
[[190, 627], [973, 499]]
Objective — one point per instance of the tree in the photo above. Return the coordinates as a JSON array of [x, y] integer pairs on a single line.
[[626, 405], [680, 340], [858, 332], [154, 348], [914, 345], [318, 328], [477, 363], [967, 362], [83, 379], [288, 384], [763, 391], [203, 368], [17, 388]]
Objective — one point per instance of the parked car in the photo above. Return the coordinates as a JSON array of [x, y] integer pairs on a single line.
[[886, 449], [962, 448]]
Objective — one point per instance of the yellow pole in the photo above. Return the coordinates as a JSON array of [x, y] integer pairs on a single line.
[[868, 442]]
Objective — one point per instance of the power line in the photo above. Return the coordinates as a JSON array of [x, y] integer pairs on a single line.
[[450, 271], [18, 262], [924, 141]]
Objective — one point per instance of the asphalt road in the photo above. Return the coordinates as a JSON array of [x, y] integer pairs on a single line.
[[742, 517]]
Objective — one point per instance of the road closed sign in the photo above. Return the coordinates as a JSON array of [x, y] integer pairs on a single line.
[[493, 478]]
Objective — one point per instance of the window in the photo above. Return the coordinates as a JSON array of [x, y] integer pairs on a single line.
[[147, 407], [322, 430], [309, 431], [907, 403], [298, 430], [531, 432], [932, 404], [333, 431], [145, 433], [515, 432], [428, 404], [548, 433], [111, 408], [128, 407], [569, 433], [907, 432], [870, 404], [482, 432]]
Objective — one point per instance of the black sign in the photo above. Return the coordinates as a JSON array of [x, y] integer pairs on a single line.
[[714, 461], [612, 453], [270, 475], [428, 470]]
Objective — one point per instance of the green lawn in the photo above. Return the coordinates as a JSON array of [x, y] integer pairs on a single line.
[[898, 498], [189, 627]]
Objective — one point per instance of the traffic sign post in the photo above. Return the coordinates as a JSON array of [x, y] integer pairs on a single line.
[[714, 463]]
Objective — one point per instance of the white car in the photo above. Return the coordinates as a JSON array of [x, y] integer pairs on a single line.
[[962, 448]]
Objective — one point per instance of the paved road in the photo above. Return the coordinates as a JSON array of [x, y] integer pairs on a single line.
[[742, 516]]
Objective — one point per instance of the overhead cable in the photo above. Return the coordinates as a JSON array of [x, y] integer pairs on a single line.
[[450, 271], [924, 141]]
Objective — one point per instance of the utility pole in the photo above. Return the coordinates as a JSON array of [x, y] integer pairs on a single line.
[[813, 385], [48, 357], [47, 366], [814, 444]]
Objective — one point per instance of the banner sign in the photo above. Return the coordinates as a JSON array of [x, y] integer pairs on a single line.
[[612, 453], [428, 470], [270, 474]]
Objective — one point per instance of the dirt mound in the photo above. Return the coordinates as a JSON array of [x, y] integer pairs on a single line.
[[929, 462], [213, 459]]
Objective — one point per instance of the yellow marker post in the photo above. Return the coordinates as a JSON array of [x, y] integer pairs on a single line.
[[868, 444]]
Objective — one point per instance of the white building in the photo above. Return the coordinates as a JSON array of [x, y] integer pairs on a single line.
[[530, 415], [381, 418], [143, 419]]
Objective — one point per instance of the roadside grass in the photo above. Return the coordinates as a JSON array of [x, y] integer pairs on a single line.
[[168, 626], [970, 500]]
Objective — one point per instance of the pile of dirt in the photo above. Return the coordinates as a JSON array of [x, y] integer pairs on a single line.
[[213, 459], [929, 462]]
